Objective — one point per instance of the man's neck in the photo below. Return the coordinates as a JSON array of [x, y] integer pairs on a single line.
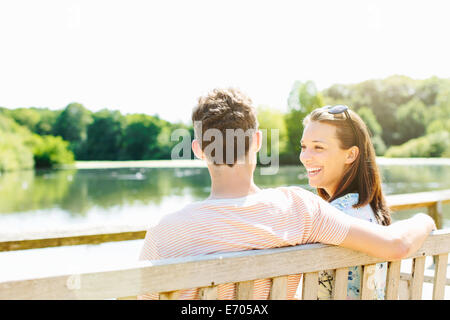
[[234, 182]]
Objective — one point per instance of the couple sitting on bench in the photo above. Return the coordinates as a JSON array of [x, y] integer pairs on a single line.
[[349, 211]]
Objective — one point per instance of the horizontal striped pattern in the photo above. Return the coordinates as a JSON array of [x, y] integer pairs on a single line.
[[270, 218]]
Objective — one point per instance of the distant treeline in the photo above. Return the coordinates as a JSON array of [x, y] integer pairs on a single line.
[[407, 118], [38, 137]]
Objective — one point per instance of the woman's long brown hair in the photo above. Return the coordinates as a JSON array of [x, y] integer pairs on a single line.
[[362, 176]]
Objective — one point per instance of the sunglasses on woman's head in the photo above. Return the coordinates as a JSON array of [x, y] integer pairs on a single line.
[[342, 109]]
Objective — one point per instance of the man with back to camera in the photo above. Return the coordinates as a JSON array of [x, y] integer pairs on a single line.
[[240, 216]]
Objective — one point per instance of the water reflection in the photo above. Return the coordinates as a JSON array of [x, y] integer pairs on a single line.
[[77, 191]]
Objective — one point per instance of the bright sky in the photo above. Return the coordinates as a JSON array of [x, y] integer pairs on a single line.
[[159, 56]]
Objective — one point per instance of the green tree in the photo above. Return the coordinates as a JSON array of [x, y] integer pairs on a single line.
[[383, 97], [49, 151], [375, 129], [26, 117], [165, 142], [14, 153], [303, 98], [412, 120], [47, 121], [71, 125], [432, 145], [104, 136], [140, 140], [268, 119]]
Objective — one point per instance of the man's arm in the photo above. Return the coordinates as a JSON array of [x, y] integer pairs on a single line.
[[396, 241]]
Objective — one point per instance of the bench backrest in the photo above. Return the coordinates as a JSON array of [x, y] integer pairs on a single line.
[[166, 277]]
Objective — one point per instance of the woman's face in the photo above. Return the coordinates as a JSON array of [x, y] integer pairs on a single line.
[[322, 156]]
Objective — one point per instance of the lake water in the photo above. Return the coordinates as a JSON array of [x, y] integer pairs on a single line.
[[64, 199], [49, 200]]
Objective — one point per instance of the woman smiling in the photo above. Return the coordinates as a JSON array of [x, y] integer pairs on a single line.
[[340, 162]]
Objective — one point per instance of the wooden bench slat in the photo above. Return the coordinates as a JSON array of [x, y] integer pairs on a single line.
[[416, 286], [340, 284], [426, 279], [435, 211], [172, 295], [404, 292], [368, 282], [278, 291], [244, 290], [128, 298], [440, 276], [310, 286], [208, 293], [393, 280]]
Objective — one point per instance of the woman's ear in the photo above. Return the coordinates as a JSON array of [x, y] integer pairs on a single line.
[[197, 149], [352, 154]]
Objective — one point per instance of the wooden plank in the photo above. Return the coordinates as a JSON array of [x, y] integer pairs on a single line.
[[310, 286], [244, 290], [128, 298], [340, 284], [44, 241], [172, 295], [208, 293], [427, 279], [278, 290], [435, 211], [368, 282], [184, 273], [404, 292], [439, 276], [393, 280], [418, 268], [417, 200]]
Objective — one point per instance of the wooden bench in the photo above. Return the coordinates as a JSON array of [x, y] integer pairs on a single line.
[[166, 277]]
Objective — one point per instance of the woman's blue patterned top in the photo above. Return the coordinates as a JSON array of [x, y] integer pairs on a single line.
[[326, 278]]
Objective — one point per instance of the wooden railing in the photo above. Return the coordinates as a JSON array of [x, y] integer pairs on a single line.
[[166, 277], [432, 201]]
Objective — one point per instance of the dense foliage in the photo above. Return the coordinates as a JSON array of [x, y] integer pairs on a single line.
[[40, 138], [405, 109]]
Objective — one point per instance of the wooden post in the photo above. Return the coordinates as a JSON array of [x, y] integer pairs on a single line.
[[208, 293], [440, 271], [310, 286], [279, 288], [393, 280], [435, 211], [244, 290], [368, 282], [404, 291], [340, 284], [418, 269], [172, 295]]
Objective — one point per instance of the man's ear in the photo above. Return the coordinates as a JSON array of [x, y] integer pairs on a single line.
[[258, 138], [197, 150], [352, 154]]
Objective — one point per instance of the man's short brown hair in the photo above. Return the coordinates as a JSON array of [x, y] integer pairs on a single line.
[[224, 109]]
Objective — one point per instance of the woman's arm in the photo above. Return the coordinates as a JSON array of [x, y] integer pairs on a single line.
[[396, 241]]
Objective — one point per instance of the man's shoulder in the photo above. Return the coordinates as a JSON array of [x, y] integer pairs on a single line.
[[271, 196], [297, 190]]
